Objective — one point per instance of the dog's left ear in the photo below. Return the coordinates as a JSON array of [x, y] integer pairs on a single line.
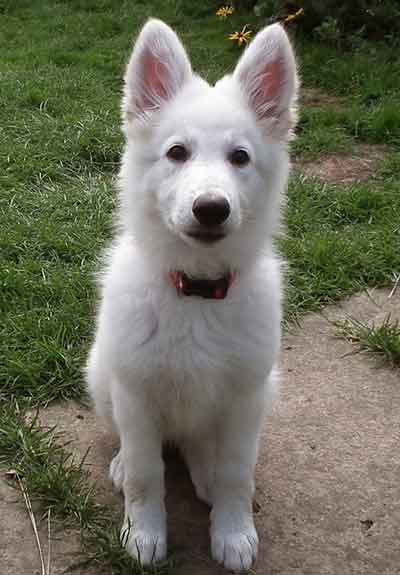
[[268, 78], [157, 70]]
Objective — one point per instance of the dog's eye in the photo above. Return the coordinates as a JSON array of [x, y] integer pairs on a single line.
[[178, 153], [239, 157]]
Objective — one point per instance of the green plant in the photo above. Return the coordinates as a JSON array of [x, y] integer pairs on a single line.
[[371, 18], [382, 339]]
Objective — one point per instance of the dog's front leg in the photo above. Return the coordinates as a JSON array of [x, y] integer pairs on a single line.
[[144, 529], [234, 540]]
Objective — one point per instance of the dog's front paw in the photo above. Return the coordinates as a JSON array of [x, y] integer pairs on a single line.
[[147, 547], [236, 550]]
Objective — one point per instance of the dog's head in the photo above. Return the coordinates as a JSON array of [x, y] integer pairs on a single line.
[[204, 166]]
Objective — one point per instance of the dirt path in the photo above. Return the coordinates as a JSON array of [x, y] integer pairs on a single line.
[[328, 477]]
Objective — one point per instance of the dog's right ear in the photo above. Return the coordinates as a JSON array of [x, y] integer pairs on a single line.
[[267, 75], [157, 70]]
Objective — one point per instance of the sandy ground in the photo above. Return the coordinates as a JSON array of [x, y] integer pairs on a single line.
[[328, 476], [359, 166]]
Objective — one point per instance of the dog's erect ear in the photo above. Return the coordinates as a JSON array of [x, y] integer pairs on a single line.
[[158, 68], [267, 75]]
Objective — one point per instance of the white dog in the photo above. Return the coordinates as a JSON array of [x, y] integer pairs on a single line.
[[189, 325]]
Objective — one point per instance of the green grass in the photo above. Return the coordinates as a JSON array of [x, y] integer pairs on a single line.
[[366, 84], [339, 239], [330, 128], [50, 472], [382, 340], [50, 235], [369, 76], [61, 68]]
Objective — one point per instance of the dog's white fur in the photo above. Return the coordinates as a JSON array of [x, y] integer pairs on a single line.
[[192, 370]]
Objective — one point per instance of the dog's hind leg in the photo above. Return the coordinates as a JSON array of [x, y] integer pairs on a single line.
[[98, 382], [200, 457], [117, 473]]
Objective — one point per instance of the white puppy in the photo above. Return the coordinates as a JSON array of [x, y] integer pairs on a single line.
[[189, 325]]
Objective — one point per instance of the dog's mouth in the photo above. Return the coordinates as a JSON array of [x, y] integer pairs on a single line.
[[206, 237]]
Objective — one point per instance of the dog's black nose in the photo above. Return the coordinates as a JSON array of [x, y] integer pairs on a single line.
[[211, 211]]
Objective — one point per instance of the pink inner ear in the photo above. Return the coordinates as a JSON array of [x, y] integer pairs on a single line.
[[273, 80], [270, 81], [154, 84]]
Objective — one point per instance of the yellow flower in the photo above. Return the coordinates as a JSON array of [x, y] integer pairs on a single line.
[[241, 37], [294, 16], [225, 11]]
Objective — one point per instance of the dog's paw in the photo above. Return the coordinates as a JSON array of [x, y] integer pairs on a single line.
[[117, 471], [236, 550], [147, 547]]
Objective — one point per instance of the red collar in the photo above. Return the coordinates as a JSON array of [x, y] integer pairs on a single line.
[[205, 288]]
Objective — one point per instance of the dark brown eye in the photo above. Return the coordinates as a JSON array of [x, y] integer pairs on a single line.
[[178, 153], [239, 157]]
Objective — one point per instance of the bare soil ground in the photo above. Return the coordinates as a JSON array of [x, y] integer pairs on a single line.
[[311, 96], [346, 169]]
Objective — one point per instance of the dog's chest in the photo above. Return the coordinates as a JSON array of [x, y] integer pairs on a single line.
[[186, 354], [191, 338], [188, 362]]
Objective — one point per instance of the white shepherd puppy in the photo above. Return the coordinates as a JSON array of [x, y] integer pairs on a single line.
[[189, 325]]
